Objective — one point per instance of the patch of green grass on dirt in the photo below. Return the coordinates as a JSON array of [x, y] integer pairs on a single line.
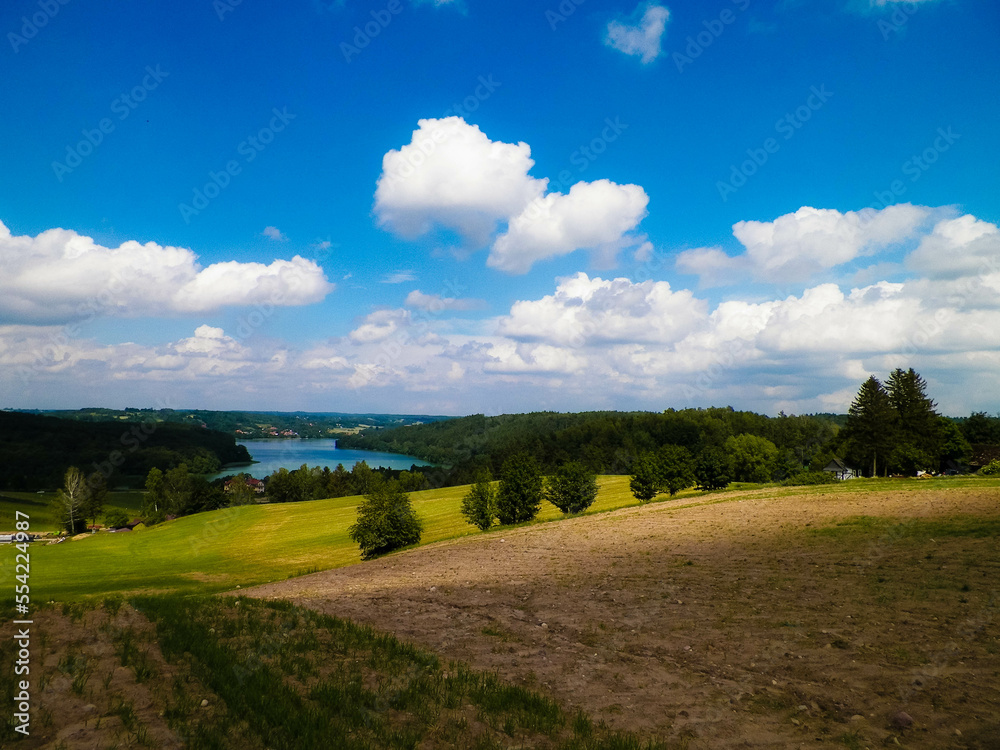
[[368, 690]]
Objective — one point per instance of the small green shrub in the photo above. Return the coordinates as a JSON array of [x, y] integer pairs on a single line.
[[116, 519], [992, 468], [809, 477]]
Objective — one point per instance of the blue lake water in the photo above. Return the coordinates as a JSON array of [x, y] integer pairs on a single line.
[[272, 455]]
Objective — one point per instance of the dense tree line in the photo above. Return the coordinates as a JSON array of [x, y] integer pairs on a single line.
[[895, 429], [36, 451], [247, 424], [611, 442], [314, 483]]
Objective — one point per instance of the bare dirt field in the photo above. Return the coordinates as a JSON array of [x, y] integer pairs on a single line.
[[744, 620]]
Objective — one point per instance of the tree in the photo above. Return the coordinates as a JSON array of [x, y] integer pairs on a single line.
[[96, 492], [919, 438], [116, 519], [520, 493], [154, 501], [479, 506], [713, 469], [753, 457], [954, 446], [362, 477], [71, 498], [203, 496], [980, 427], [281, 486], [386, 520], [238, 491], [177, 491], [871, 424], [676, 468], [645, 481], [573, 488], [338, 484]]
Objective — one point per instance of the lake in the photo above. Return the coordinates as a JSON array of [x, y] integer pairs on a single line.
[[272, 455]]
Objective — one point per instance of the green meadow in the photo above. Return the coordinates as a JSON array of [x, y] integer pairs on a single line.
[[45, 513], [249, 545], [243, 546]]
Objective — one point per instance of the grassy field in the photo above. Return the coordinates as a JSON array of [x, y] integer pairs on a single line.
[[46, 514], [244, 546], [776, 616]]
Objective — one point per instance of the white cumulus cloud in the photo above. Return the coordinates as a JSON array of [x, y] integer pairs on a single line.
[[965, 246], [452, 175], [586, 310], [594, 216], [796, 246], [60, 276]]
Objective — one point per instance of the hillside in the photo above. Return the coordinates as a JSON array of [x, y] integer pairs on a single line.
[[219, 550], [247, 425], [783, 616], [36, 450], [606, 441], [859, 615]]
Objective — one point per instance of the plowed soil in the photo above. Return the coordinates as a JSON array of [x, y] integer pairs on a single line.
[[744, 620]]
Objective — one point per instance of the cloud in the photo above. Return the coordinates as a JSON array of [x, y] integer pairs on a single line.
[[379, 325], [398, 277], [452, 176], [274, 233], [796, 246], [594, 215], [436, 303], [587, 343], [586, 311], [640, 39], [958, 247], [60, 276]]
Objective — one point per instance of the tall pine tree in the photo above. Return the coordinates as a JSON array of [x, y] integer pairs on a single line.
[[919, 438], [871, 421]]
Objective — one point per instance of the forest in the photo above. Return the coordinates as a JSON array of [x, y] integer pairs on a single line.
[[902, 435], [249, 425], [36, 450]]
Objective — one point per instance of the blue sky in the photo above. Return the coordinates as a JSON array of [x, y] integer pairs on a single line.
[[458, 207]]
